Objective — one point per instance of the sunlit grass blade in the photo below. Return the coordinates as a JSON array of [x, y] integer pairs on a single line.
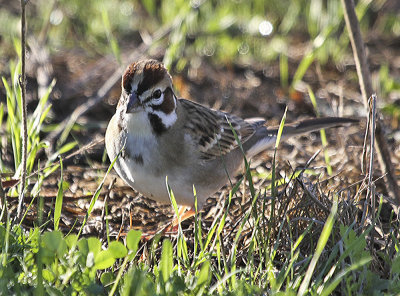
[[97, 192], [5, 243], [111, 39], [284, 70], [1, 112], [172, 198], [182, 249], [323, 239], [166, 262], [336, 281], [223, 280], [280, 130], [59, 198], [273, 173], [324, 140], [302, 69]]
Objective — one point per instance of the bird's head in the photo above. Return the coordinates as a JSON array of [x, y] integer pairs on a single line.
[[147, 88]]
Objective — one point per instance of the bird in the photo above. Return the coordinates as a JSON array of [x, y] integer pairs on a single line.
[[157, 135]]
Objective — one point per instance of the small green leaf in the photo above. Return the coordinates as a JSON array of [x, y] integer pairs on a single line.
[[166, 262], [133, 239], [104, 260], [71, 240], [396, 264], [67, 147], [107, 278], [117, 249], [48, 275], [54, 242], [83, 246], [94, 245], [204, 275]]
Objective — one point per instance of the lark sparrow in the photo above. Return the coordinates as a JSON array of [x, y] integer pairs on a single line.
[[161, 135]]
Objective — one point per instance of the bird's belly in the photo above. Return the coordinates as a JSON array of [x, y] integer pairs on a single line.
[[143, 179], [147, 174]]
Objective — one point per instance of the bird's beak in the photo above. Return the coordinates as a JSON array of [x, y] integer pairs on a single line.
[[133, 103]]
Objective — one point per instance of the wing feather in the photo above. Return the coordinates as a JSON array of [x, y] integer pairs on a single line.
[[211, 131]]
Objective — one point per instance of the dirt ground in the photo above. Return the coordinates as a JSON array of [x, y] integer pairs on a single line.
[[246, 90]]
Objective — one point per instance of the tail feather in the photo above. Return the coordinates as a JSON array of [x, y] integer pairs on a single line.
[[310, 125], [265, 137]]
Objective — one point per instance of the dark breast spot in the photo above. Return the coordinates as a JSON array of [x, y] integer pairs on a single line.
[[138, 159], [157, 124]]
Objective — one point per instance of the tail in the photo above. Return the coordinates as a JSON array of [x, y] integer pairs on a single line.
[[265, 137], [310, 125]]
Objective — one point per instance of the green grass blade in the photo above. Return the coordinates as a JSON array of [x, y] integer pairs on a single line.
[[324, 140], [323, 239], [302, 69], [284, 70], [111, 39], [182, 248], [280, 130], [166, 262], [97, 192], [332, 286], [1, 112], [59, 198]]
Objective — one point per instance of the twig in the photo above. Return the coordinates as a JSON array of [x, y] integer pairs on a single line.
[[365, 143], [371, 157], [312, 196], [3, 208], [370, 198], [371, 185], [364, 77], [22, 84]]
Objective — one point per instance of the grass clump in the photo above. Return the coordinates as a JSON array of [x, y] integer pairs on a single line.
[[300, 234]]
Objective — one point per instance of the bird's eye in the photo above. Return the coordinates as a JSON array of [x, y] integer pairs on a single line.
[[157, 94]]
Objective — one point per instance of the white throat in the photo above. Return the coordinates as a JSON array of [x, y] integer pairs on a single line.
[[137, 124]]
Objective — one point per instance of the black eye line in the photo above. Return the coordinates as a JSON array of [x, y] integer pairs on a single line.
[[151, 96], [147, 99]]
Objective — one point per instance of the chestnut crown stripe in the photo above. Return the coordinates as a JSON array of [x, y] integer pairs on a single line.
[[153, 72]]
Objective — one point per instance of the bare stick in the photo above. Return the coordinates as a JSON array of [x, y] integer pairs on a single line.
[[364, 77], [2, 200], [370, 198], [371, 185], [22, 84]]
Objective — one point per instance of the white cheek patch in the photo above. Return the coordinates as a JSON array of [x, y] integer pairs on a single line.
[[167, 119]]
